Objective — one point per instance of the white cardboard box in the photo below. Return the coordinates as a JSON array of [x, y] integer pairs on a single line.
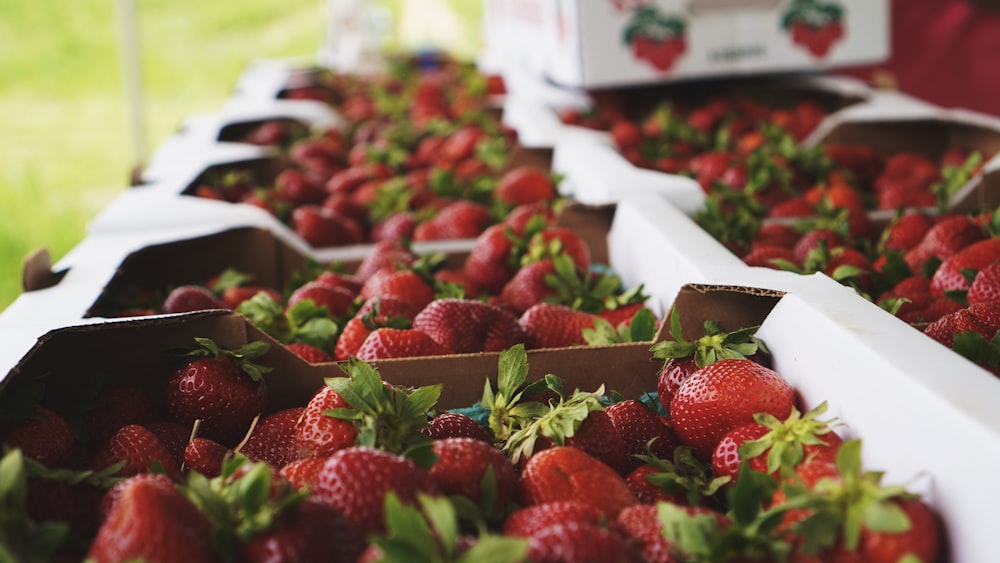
[[602, 43]]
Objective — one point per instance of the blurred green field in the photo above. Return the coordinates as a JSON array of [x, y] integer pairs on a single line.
[[66, 152]]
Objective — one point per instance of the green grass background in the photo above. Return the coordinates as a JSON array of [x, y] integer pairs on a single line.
[[65, 150]]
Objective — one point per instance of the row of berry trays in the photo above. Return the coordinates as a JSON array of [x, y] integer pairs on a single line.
[[926, 415]]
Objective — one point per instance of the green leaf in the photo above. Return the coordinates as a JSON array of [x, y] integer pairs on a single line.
[[643, 326], [512, 370]]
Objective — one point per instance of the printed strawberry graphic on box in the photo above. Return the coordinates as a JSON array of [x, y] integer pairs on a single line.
[[814, 25], [655, 37]]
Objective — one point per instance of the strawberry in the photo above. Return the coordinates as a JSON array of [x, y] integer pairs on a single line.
[[906, 232], [988, 316], [770, 257], [648, 493], [681, 479], [139, 449], [376, 312], [916, 290], [945, 238], [173, 435], [681, 357], [232, 297], [66, 496], [637, 425], [566, 473], [577, 542], [309, 353], [947, 327], [302, 473], [950, 275], [456, 425], [528, 286], [321, 228], [296, 188], [392, 255], [553, 241], [723, 395], [355, 480], [489, 263], [385, 343], [770, 445], [985, 286], [320, 435], [812, 240], [308, 531], [205, 456], [222, 388], [457, 220], [523, 216], [394, 227], [273, 438], [407, 285], [151, 520], [547, 325], [526, 520], [43, 436], [642, 525], [464, 325], [524, 184], [461, 469], [188, 298], [776, 234], [336, 300]]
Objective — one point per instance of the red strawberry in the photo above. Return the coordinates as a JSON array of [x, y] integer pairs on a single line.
[[523, 215], [811, 240], [988, 316], [205, 456], [456, 425], [489, 262], [978, 255], [945, 328], [985, 287], [273, 438], [548, 325], [637, 425], [139, 449], [915, 289], [302, 473], [770, 257], [552, 241], [567, 473], [385, 343], [464, 325], [188, 298], [376, 312], [577, 542], [44, 437], [308, 531], [460, 469], [459, 219], [524, 184], [406, 285], [642, 525], [721, 396], [528, 519], [338, 279], [646, 492], [321, 228], [336, 300], [173, 435], [529, 286], [78, 504], [153, 521], [235, 295], [223, 389], [392, 255], [355, 480], [944, 239], [622, 315], [309, 353], [319, 435], [295, 187], [906, 232]]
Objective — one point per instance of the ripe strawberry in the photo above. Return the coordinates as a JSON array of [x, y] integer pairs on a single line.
[[950, 277], [205, 456], [232, 297], [906, 232], [489, 262], [406, 285], [944, 239], [376, 312], [648, 493], [302, 473], [319, 435], [526, 520], [297, 188], [464, 325], [309, 353], [770, 257], [188, 298], [577, 542], [945, 328], [69, 497], [721, 396], [385, 343], [222, 388], [622, 315], [524, 184], [139, 449], [307, 531], [985, 287], [43, 436], [566, 473], [394, 227], [336, 300], [173, 435], [642, 525], [457, 220], [988, 316], [812, 240], [320, 228], [548, 325], [151, 520], [776, 444], [776, 234], [522, 216], [273, 438], [456, 425], [393, 255], [460, 469], [355, 480], [552, 241], [529, 286], [915, 289], [637, 425]]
